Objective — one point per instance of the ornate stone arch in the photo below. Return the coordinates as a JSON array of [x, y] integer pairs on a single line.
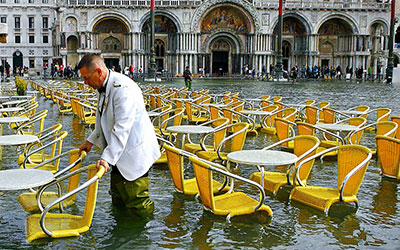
[[71, 23], [379, 21], [170, 15], [305, 21], [348, 19], [248, 10], [103, 15], [219, 34]]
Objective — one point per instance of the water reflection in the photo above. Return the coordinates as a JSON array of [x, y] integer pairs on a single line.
[[385, 200]]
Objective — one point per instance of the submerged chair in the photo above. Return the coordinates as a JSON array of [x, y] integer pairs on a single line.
[[52, 162], [236, 143], [388, 151], [352, 163], [218, 135], [284, 129], [304, 146], [229, 204], [176, 167], [66, 225], [29, 201]]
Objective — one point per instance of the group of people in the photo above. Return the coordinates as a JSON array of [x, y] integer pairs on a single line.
[[5, 70], [61, 71]]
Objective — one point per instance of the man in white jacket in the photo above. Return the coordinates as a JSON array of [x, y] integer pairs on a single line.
[[124, 133]]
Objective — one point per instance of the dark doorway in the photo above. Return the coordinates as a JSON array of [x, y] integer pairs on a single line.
[[17, 59], [220, 62], [285, 64], [110, 62], [325, 62], [160, 64]]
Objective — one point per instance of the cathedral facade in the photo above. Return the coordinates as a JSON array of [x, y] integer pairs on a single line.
[[220, 37]]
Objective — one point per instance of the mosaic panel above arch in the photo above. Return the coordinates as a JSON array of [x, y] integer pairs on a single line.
[[162, 24], [291, 25], [225, 17], [109, 25], [335, 26]]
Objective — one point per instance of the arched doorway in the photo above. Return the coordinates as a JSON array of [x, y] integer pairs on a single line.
[[335, 37], [17, 59], [224, 30], [378, 46], [72, 48], [294, 41], [159, 50], [111, 32], [165, 43], [220, 54]]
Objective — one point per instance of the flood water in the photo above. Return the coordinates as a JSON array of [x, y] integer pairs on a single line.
[[180, 222]]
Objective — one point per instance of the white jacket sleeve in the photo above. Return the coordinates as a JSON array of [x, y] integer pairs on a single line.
[[125, 112]]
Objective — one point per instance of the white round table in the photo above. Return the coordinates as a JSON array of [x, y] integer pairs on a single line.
[[255, 112], [16, 140], [353, 112], [262, 158], [12, 109], [189, 129], [14, 102], [16, 179], [336, 127], [13, 119]]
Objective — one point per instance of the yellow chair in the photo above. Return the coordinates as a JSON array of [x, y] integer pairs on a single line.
[[236, 142], [64, 105], [66, 225], [44, 136], [388, 151], [29, 202], [396, 119], [176, 167], [269, 121], [228, 204], [51, 164], [196, 113], [176, 117], [304, 146], [362, 108], [284, 130], [311, 114], [28, 127], [322, 105], [86, 113], [382, 114], [217, 136], [352, 163]]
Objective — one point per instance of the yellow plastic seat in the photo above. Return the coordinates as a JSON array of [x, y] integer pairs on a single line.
[[236, 142], [189, 186], [269, 122], [64, 105], [66, 225], [228, 204], [304, 146], [50, 164], [352, 163], [311, 114], [382, 114], [29, 127], [388, 151], [86, 116], [217, 136], [28, 200]]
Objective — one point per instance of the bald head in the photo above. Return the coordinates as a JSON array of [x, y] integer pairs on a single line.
[[91, 62]]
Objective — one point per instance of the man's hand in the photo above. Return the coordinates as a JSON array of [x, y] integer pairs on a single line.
[[104, 164], [86, 146]]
